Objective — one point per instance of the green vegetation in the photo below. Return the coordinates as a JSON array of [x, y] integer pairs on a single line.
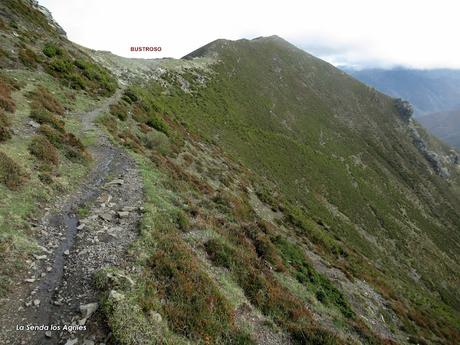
[[81, 74], [195, 307], [51, 50], [47, 100], [324, 291], [31, 16], [350, 184], [41, 148], [5, 132], [28, 58], [35, 166], [53, 133], [11, 173], [6, 87], [142, 107], [120, 110], [173, 282], [262, 168], [339, 183]]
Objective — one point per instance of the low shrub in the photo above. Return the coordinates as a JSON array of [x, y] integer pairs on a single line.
[[131, 140], [54, 136], [11, 173], [6, 101], [259, 285], [12, 83], [3, 26], [107, 121], [100, 77], [317, 235], [46, 177], [305, 274], [69, 143], [130, 96], [5, 132], [154, 140], [156, 121], [28, 58], [47, 100], [43, 116], [265, 248], [43, 150], [82, 74], [120, 110], [193, 303], [51, 50], [139, 114], [219, 253], [182, 221]]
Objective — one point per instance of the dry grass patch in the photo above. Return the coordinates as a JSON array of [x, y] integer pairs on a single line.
[[43, 150], [194, 306], [47, 100], [5, 132], [11, 173], [6, 101]]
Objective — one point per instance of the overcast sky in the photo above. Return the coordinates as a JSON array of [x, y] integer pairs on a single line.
[[379, 33]]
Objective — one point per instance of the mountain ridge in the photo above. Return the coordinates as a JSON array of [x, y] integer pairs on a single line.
[[283, 201]]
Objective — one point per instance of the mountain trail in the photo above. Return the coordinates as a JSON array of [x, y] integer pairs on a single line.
[[83, 232]]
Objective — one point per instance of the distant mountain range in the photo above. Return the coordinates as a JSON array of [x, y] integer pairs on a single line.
[[429, 91], [445, 125], [435, 95]]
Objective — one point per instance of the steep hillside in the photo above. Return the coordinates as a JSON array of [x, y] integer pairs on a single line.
[[430, 91], [445, 125], [248, 193], [350, 175]]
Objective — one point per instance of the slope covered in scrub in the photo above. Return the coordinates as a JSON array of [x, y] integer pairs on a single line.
[[342, 164], [248, 193]]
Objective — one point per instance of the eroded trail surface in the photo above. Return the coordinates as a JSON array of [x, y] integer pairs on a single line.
[[84, 232]]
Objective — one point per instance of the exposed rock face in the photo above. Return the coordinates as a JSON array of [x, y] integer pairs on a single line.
[[49, 16], [404, 108], [432, 157]]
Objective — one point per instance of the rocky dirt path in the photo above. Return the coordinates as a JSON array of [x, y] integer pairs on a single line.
[[84, 232]]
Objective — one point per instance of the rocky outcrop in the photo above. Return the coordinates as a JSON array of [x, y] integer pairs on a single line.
[[434, 159], [48, 16]]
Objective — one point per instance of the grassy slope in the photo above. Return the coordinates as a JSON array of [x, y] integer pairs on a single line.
[[346, 169], [202, 241], [328, 155], [50, 160]]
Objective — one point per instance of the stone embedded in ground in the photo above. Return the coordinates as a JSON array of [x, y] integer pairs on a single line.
[[106, 216], [67, 252], [39, 257], [36, 302], [87, 310], [48, 334], [123, 214], [80, 227], [71, 341], [115, 295], [118, 181], [33, 124], [155, 316]]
